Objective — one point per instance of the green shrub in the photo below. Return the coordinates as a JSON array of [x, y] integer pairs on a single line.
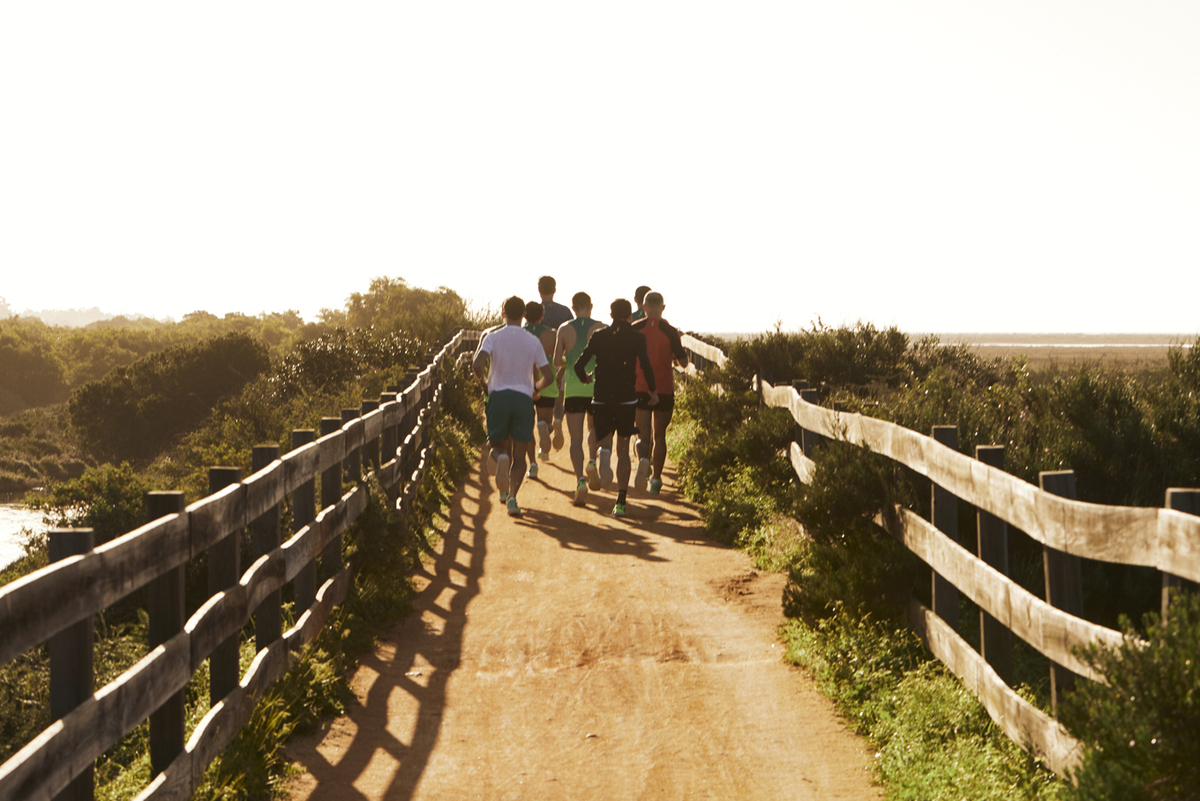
[[1141, 728], [111, 499], [135, 412]]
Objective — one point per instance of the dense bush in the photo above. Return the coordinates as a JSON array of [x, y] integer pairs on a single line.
[[135, 412], [1128, 437], [109, 499], [32, 371], [1142, 727]]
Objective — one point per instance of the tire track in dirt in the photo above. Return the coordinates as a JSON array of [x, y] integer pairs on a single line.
[[569, 655]]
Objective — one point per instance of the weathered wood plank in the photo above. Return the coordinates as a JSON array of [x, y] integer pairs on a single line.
[[353, 432], [1025, 724], [705, 350], [332, 448], [372, 423], [62, 751], [1160, 538], [265, 489], [216, 516], [1051, 631], [332, 593], [36, 607]]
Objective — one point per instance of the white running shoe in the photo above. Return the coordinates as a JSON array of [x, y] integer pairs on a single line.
[[593, 476], [581, 492], [502, 465], [643, 474], [606, 475]]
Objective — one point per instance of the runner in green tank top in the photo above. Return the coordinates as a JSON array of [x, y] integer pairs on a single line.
[[544, 403], [573, 337]]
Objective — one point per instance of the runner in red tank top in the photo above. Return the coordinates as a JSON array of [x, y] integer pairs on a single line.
[[665, 347]]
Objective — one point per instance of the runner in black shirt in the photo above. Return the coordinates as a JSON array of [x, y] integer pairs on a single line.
[[618, 349]]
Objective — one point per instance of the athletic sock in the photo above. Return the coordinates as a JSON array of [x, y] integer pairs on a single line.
[[621, 496]]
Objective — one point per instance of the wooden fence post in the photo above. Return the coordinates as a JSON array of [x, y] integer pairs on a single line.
[[944, 516], [995, 641], [799, 385], [811, 438], [304, 502], [72, 676], [268, 617], [370, 450], [388, 438], [331, 493], [352, 464], [388, 445], [224, 570], [167, 614], [1187, 501], [1064, 580]]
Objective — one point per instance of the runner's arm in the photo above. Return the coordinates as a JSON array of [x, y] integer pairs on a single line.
[[643, 356]]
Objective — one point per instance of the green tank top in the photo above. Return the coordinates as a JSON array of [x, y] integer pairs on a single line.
[[537, 329], [572, 386]]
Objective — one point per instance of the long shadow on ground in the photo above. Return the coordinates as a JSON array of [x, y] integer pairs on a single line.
[[418, 659]]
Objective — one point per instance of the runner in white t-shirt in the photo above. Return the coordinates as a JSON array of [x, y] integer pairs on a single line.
[[506, 363]]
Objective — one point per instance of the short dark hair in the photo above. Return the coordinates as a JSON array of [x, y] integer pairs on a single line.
[[514, 308], [534, 311], [653, 299], [621, 309], [547, 285], [580, 299], [639, 294]]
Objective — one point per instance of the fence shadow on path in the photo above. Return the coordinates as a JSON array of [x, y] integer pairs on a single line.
[[417, 658]]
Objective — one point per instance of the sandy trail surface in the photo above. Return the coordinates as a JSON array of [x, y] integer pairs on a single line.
[[566, 654]]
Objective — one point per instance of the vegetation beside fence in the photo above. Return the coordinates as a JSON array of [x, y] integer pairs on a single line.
[[333, 368], [848, 623]]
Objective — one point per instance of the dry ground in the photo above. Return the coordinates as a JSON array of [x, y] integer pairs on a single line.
[[569, 655]]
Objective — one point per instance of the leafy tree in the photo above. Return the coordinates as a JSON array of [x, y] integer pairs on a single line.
[[134, 412], [391, 306], [33, 373]]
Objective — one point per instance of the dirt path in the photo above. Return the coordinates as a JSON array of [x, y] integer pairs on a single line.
[[568, 655]]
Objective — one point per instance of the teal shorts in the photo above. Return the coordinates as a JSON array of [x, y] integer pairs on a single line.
[[510, 414]]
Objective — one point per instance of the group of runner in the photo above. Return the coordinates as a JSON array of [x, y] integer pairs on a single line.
[[563, 365]]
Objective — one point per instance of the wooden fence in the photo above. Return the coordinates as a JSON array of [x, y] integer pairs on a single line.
[[1167, 539], [57, 603]]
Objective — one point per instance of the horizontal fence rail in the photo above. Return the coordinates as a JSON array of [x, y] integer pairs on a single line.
[[1162, 538], [42, 605]]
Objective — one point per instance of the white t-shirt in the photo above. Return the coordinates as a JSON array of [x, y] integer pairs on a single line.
[[515, 355]]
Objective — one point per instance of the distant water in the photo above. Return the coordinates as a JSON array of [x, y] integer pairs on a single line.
[[13, 518]]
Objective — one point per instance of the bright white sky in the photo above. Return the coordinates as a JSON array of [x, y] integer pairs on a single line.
[[941, 165]]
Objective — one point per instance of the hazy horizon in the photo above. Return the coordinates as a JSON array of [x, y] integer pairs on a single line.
[[935, 165]]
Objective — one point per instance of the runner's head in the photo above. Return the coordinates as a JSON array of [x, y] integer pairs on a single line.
[[621, 310], [547, 287], [534, 312], [581, 304], [653, 304], [514, 310], [639, 295]]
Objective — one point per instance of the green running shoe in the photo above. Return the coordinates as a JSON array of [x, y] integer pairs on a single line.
[[619, 510], [655, 485], [532, 470], [513, 509], [581, 493]]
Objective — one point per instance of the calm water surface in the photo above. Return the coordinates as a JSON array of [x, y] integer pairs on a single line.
[[13, 518]]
